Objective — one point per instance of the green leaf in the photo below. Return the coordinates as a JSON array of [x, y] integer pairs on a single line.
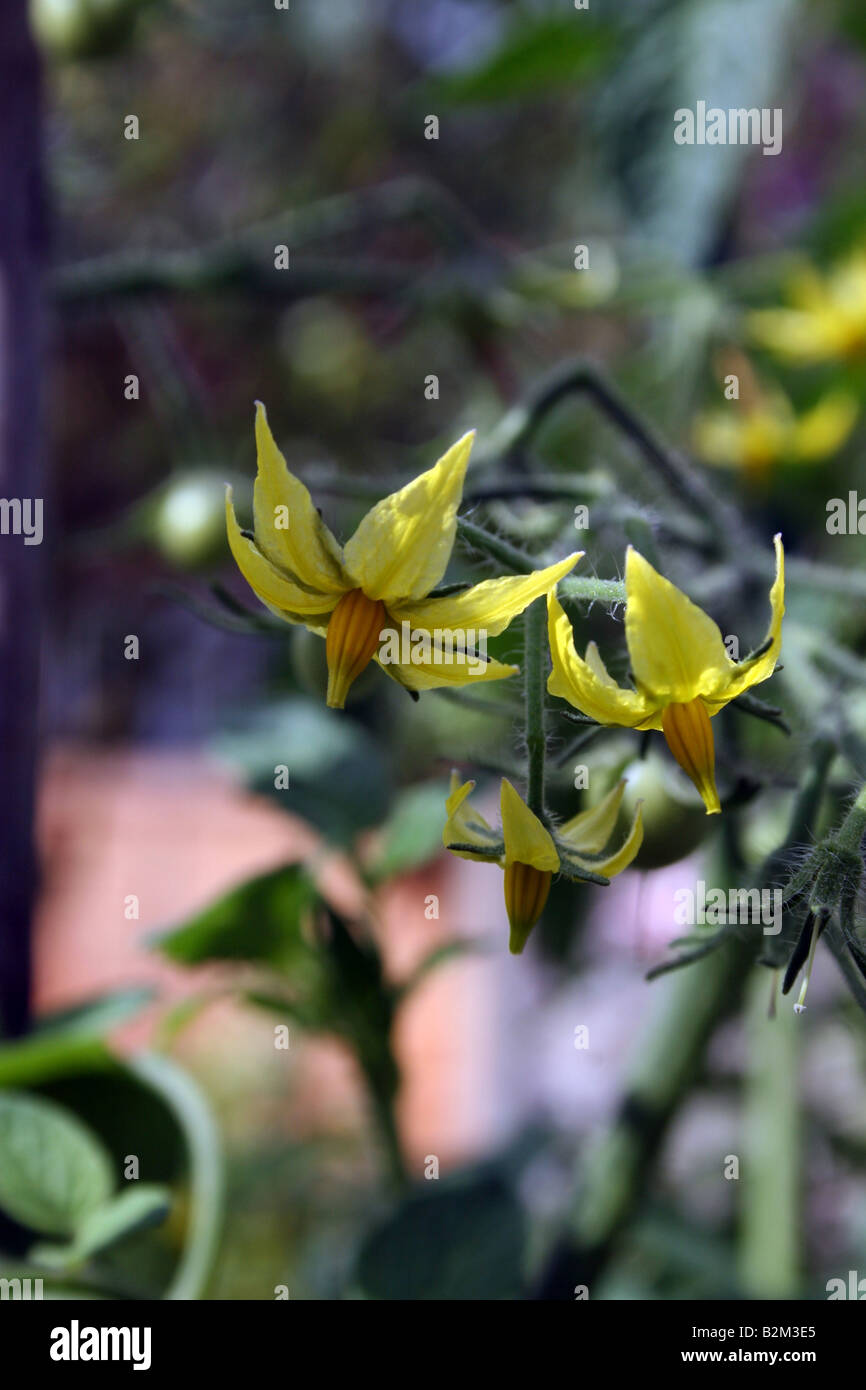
[[537, 55], [463, 1241], [97, 1015], [54, 1171], [338, 778], [45, 1057], [412, 834], [142, 1206], [308, 1015], [259, 921]]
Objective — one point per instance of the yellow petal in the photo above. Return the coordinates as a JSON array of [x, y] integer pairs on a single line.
[[487, 607], [289, 530], [272, 587], [676, 650], [789, 333], [689, 736], [615, 863], [430, 675], [593, 659], [466, 826], [803, 337], [402, 546], [824, 428], [526, 839], [747, 673], [586, 684], [589, 831]]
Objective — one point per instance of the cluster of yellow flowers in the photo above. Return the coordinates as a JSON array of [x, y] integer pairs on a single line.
[[385, 575], [824, 321]]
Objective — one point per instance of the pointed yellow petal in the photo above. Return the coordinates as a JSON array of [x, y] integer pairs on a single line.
[[402, 546], [824, 428], [592, 657], [589, 831], [289, 530], [487, 607], [795, 335], [745, 674], [585, 684], [615, 864], [689, 736], [272, 587], [526, 840], [430, 675], [676, 650], [466, 826]]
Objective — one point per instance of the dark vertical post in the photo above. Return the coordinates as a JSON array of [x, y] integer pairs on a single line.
[[22, 241]]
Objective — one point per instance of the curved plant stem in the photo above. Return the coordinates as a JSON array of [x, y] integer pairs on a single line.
[[206, 1172], [586, 378], [494, 546]]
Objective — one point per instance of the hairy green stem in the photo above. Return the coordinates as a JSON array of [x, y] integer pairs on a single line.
[[589, 590], [495, 547], [535, 670], [586, 589], [853, 828]]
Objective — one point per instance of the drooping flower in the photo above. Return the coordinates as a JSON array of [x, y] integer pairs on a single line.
[[382, 578], [531, 854], [682, 672], [826, 317], [762, 432]]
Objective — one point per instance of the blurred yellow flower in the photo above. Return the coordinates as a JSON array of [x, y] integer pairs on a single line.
[[681, 669], [826, 320], [757, 434], [531, 854], [381, 579]]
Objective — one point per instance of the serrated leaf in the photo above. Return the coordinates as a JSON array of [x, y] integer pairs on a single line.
[[54, 1171]]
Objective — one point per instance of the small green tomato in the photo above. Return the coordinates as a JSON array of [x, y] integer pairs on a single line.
[[673, 819]]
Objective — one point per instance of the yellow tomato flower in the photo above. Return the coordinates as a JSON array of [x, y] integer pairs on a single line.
[[681, 669], [531, 854], [826, 320], [381, 578], [755, 435]]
